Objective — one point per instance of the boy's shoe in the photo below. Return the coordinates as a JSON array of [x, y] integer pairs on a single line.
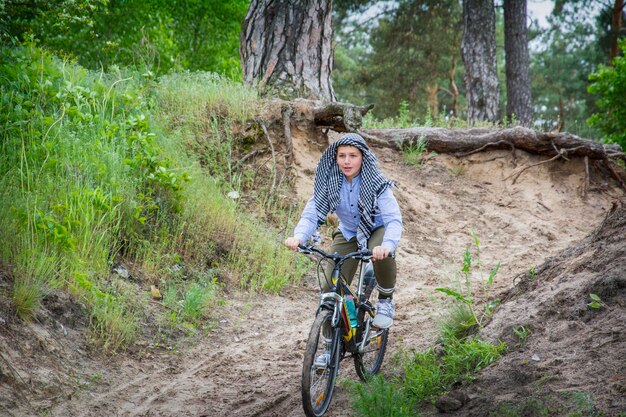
[[322, 361], [384, 313]]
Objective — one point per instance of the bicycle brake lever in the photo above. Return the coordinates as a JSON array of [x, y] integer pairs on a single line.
[[304, 249]]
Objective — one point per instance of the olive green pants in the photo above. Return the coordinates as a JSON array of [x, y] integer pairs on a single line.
[[385, 270]]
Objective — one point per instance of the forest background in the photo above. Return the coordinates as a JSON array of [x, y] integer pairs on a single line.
[[125, 130], [102, 132], [404, 56]]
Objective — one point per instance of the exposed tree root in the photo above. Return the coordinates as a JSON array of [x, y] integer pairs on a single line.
[[463, 142]]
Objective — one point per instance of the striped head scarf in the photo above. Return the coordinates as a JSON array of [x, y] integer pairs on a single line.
[[328, 180]]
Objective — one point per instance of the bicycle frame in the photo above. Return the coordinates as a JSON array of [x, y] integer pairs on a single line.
[[337, 294], [364, 344]]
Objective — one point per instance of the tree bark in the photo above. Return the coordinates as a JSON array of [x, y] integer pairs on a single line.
[[341, 117], [286, 48], [478, 49], [519, 102], [616, 27], [467, 141]]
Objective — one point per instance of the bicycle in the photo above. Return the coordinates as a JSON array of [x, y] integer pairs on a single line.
[[339, 332]]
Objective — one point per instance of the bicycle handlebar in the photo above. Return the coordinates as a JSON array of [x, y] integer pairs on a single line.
[[365, 254]]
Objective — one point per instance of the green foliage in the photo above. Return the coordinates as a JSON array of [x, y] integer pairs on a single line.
[[425, 376], [459, 321], [565, 54], [67, 187], [610, 84], [463, 358], [522, 334], [90, 171], [381, 398], [31, 269], [408, 57], [532, 273], [596, 302], [468, 296], [190, 301], [155, 35], [413, 153], [194, 106], [114, 315]]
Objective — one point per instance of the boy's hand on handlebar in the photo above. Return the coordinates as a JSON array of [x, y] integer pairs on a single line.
[[379, 253], [292, 243]]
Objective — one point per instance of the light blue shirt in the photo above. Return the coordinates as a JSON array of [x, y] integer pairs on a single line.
[[387, 214]]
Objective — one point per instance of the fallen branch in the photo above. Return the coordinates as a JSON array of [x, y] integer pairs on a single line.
[[248, 156]]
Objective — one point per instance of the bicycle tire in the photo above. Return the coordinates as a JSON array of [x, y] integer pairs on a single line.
[[318, 384], [368, 362]]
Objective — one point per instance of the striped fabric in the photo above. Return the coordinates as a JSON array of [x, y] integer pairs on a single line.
[[328, 179], [387, 292]]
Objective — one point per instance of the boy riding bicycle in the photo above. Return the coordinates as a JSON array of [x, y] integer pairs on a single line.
[[349, 183]]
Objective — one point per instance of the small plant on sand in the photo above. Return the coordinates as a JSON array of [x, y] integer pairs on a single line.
[[414, 152], [467, 297], [596, 302], [532, 273], [457, 170], [522, 334]]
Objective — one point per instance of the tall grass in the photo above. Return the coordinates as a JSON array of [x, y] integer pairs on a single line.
[[99, 167], [200, 111], [74, 180]]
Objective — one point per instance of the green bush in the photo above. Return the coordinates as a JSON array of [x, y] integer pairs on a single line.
[[90, 171], [610, 84]]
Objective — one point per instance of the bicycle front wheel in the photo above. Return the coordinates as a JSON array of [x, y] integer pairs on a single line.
[[321, 364]]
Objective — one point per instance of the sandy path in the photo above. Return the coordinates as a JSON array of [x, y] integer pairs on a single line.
[[250, 365]]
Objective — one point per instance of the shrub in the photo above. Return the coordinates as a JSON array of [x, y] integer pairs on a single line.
[[610, 83]]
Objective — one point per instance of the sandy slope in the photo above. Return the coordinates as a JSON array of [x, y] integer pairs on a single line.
[[250, 365]]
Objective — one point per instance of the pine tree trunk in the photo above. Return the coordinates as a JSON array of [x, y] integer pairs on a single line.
[[519, 102], [616, 27], [478, 48], [286, 48]]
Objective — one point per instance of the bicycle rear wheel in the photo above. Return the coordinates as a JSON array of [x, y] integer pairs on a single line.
[[318, 382], [369, 360]]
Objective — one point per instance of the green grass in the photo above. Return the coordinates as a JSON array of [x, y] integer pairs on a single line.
[[459, 321], [382, 399], [191, 299], [423, 377], [413, 153], [98, 168]]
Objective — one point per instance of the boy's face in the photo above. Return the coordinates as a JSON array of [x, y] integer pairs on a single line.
[[349, 159]]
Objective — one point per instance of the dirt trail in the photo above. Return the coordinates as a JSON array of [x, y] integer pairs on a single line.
[[250, 364]]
